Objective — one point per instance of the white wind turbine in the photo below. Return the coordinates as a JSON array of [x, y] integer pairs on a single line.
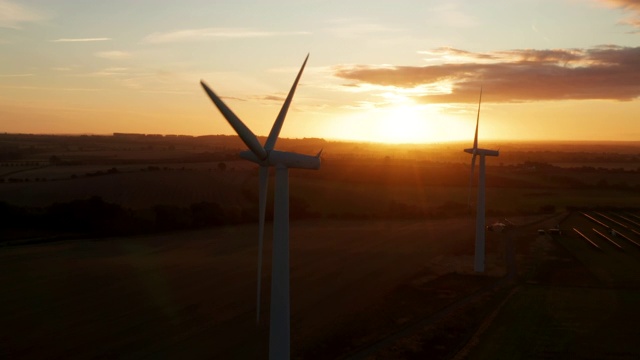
[[265, 156], [478, 264]]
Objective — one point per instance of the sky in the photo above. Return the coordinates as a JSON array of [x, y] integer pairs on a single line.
[[379, 71]]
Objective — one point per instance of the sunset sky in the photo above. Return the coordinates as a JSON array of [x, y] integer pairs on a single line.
[[380, 71]]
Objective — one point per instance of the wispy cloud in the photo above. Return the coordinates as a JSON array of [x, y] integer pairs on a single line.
[[47, 88], [603, 72], [275, 98], [15, 75], [450, 55], [12, 15], [189, 35], [81, 39], [111, 71], [170, 92], [630, 6], [113, 55], [633, 5], [139, 79]]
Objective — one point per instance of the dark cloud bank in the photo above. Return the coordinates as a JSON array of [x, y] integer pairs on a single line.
[[605, 72]]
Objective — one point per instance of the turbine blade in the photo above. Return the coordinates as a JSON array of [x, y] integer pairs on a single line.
[[319, 153], [473, 166], [262, 204], [475, 138], [277, 125], [241, 129]]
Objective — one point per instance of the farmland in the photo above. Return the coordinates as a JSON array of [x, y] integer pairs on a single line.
[[192, 293], [585, 305], [381, 251]]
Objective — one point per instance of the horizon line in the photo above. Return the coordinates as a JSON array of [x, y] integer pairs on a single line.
[[338, 140]]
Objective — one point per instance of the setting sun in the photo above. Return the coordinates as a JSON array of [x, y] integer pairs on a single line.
[[405, 124]]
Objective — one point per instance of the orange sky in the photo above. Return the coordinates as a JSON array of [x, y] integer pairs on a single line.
[[407, 71]]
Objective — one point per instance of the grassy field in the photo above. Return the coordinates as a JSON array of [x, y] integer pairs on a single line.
[[396, 193], [137, 190]]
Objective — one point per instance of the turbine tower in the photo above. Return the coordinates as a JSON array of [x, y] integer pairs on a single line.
[[478, 263], [265, 156]]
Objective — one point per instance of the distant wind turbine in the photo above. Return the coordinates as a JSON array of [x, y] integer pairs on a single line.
[[478, 264], [265, 156]]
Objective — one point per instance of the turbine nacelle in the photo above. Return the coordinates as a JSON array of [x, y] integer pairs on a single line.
[[484, 152], [284, 158]]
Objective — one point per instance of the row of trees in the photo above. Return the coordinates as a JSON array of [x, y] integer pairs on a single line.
[[222, 166], [97, 218]]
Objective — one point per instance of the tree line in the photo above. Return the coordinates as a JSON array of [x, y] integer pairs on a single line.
[[95, 217]]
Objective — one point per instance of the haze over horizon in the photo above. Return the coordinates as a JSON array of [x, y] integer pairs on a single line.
[[400, 72]]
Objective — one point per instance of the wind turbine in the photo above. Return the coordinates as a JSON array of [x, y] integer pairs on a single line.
[[478, 264], [265, 156]]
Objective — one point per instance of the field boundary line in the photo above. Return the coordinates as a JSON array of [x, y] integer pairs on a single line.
[[475, 338]]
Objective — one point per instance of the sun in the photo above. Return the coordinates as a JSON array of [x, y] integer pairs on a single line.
[[405, 124], [401, 123]]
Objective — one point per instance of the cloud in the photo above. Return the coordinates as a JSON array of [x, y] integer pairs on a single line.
[[54, 88], [15, 75], [158, 81], [275, 98], [111, 71], [630, 6], [604, 72], [232, 98], [81, 39], [451, 55], [190, 35], [113, 55], [12, 15]]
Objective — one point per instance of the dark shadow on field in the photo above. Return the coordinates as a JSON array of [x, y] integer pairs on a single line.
[[397, 314], [192, 293]]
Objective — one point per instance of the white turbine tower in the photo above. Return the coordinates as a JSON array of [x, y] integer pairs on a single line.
[[478, 264], [265, 156]]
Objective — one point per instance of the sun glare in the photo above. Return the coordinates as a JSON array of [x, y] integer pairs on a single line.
[[404, 124]]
